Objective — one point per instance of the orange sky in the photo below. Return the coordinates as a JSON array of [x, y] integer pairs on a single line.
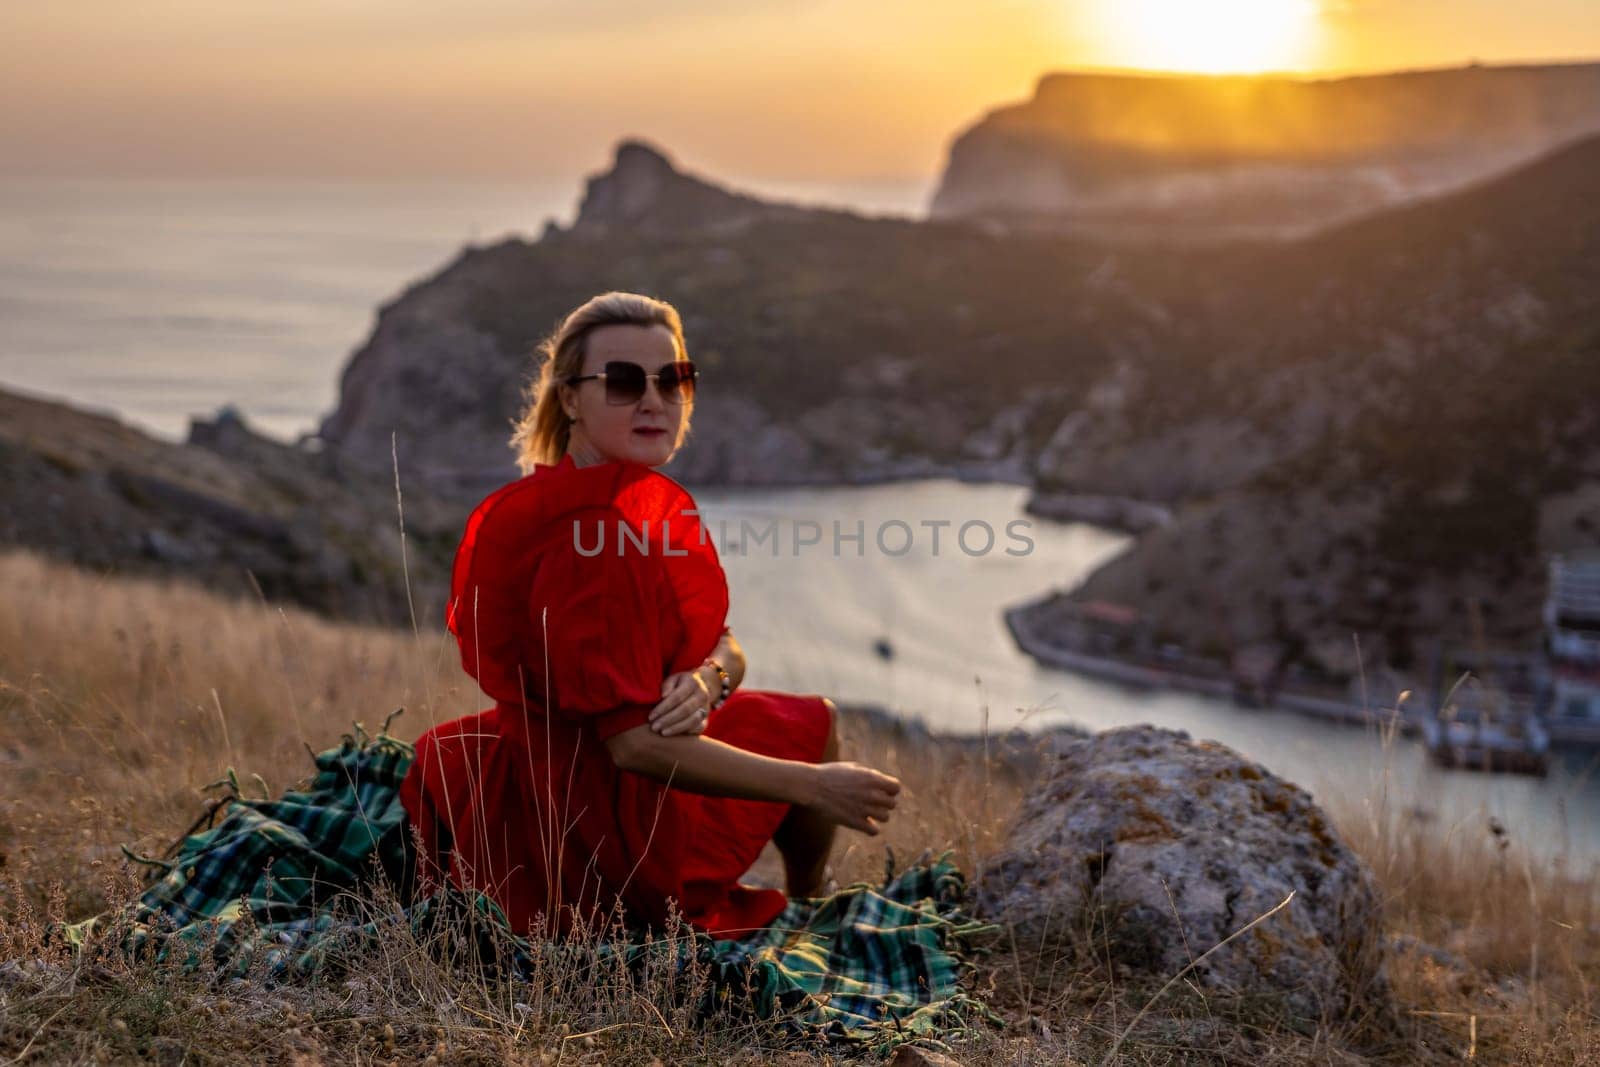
[[803, 89]]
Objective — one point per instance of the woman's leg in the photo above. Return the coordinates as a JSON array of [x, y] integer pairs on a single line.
[[804, 837]]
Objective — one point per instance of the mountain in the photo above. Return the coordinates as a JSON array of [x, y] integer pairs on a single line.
[[643, 189], [1367, 431], [228, 509], [1208, 157], [835, 347]]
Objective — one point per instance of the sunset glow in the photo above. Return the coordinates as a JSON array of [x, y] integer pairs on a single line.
[[781, 89], [1213, 36]]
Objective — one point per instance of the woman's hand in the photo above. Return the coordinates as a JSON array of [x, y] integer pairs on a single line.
[[685, 705], [854, 795]]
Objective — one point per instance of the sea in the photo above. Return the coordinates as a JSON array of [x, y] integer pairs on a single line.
[[157, 301]]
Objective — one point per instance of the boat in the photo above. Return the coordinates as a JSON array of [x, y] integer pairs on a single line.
[[1480, 729], [1490, 719], [1572, 645]]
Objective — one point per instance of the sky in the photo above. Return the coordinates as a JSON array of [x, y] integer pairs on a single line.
[[780, 89]]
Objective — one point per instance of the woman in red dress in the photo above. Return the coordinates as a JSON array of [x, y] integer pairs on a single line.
[[621, 768]]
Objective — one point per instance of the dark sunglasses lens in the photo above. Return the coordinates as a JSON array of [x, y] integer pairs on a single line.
[[624, 383], [677, 381]]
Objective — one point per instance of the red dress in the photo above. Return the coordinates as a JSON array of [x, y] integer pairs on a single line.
[[523, 801]]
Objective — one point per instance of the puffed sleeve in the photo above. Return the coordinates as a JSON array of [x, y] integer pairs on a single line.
[[602, 624]]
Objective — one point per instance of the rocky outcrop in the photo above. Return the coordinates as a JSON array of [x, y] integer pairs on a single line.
[[644, 190], [829, 342], [1213, 157], [1157, 848], [232, 510], [1364, 433], [1111, 512]]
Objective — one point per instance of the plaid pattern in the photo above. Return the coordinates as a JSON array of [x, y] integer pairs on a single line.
[[884, 965], [274, 870], [271, 887]]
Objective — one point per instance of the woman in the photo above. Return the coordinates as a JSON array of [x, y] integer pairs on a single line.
[[622, 767]]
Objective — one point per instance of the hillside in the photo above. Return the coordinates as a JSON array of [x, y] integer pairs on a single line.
[[1387, 412], [1209, 157], [230, 510], [836, 348]]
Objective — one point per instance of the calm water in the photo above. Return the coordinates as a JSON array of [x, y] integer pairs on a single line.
[[159, 300]]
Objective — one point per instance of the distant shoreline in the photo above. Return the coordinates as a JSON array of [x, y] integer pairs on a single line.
[[1138, 676]]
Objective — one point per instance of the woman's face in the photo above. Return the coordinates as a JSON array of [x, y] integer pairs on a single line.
[[648, 431]]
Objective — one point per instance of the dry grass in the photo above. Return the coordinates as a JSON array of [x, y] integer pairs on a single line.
[[120, 699]]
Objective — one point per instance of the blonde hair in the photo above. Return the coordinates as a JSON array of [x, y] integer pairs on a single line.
[[543, 429]]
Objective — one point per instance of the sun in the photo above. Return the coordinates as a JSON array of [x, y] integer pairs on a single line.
[[1206, 36]]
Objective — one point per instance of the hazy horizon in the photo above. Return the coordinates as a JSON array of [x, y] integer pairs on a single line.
[[498, 90]]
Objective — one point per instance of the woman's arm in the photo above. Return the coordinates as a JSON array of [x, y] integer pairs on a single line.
[[683, 701], [846, 793]]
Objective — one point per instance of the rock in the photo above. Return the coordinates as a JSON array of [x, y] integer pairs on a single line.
[[1236, 572], [1092, 455], [229, 508], [224, 431], [1206, 158], [1465, 970], [644, 190], [168, 549], [910, 1056], [1114, 512], [806, 382], [1175, 845]]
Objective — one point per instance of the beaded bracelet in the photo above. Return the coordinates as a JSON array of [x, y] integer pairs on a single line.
[[727, 682]]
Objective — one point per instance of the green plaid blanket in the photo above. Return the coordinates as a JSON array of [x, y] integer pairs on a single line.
[[275, 888]]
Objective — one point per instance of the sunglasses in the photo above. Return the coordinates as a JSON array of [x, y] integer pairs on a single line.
[[626, 382]]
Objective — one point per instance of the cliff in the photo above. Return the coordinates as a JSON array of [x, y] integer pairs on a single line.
[[1207, 157], [644, 190], [1365, 432], [230, 510], [835, 348]]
